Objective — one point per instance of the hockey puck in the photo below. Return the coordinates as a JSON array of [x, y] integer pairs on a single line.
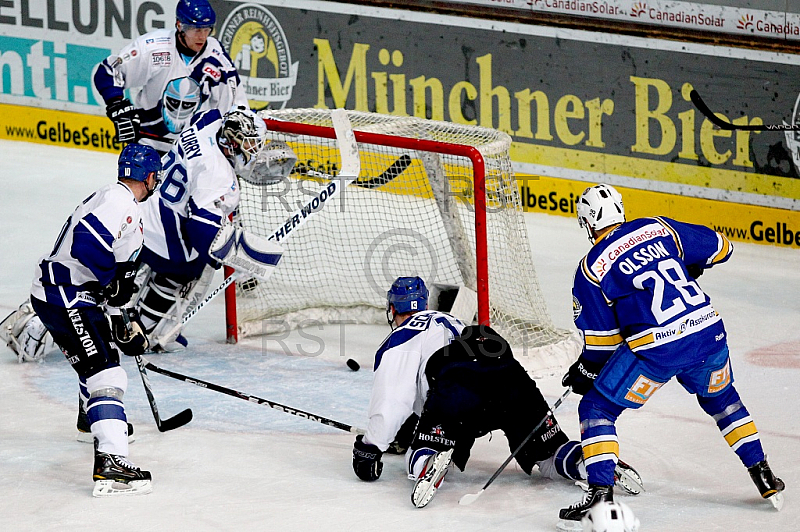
[[352, 364]]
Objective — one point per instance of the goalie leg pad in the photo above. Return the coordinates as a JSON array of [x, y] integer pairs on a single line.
[[25, 334]]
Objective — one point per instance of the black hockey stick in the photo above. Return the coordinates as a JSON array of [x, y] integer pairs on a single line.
[[178, 420], [253, 399], [730, 126], [469, 498], [394, 170]]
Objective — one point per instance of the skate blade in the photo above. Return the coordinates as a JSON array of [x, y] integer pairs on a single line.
[[111, 488], [565, 525], [776, 500], [630, 483], [425, 488]]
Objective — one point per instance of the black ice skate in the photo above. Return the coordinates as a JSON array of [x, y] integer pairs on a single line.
[[114, 475], [595, 495], [769, 486], [85, 428], [431, 478], [628, 479]]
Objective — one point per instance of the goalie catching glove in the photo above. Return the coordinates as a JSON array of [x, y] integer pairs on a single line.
[[128, 332], [126, 119]]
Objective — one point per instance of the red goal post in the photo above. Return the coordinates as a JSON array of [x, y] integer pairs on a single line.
[[452, 192]]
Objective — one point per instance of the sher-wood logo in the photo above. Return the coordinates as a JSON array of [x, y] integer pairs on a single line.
[[260, 51]]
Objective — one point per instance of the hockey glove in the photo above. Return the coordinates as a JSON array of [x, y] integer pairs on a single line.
[[129, 337], [121, 288], [366, 460], [404, 436], [581, 375], [126, 119], [694, 270]]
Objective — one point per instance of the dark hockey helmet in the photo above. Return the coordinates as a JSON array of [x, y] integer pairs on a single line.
[[407, 294], [137, 162], [243, 133], [195, 13]]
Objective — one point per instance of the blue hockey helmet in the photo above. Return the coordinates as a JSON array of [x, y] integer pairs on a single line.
[[195, 13], [407, 294], [137, 161]]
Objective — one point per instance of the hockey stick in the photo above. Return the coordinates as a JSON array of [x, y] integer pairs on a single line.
[[730, 126], [178, 420], [351, 168], [469, 498], [253, 399], [394, 170]]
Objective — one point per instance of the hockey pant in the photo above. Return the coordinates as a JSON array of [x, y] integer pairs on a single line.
[[457, 412], [84, 335]]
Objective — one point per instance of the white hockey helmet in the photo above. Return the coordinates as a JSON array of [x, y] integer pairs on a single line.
[[599, 207], [610, 517]]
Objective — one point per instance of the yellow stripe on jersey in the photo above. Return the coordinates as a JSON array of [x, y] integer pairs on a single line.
[[600, 448], [639, 342], [588, 272], [725, 249], [674, 234], [596, 340], [748, 429]]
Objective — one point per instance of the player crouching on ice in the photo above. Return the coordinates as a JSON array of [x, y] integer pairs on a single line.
[[79, 294], [462, 382]]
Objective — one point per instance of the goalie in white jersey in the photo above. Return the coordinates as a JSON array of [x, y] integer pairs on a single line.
[[460, 383], [199, 192], [89, 275], [175, 73]]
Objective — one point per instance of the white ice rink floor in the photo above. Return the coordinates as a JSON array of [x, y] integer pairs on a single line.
[[240, 466]]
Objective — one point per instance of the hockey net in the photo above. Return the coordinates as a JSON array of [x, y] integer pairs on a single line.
[[412, 212]]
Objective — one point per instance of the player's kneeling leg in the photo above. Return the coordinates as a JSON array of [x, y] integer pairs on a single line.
[[429, 457]]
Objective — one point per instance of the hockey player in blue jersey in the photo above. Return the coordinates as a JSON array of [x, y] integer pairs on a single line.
[[199, 191], [175, 73], [78, 292], [462, 382], [645, 319]]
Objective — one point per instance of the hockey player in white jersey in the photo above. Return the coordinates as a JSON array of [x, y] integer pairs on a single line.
[[174, 74], [199, 191], [461, 382], [78, 292]]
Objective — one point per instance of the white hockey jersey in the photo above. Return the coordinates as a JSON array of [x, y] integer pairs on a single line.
[[149, 63], [400, 386], [104, 230], [199, 188]]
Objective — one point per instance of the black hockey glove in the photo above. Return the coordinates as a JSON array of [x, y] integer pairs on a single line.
[[126, 119], [694, 270], [581, 375], [129, 334], [366, 460], [121, 288], [404, 436]]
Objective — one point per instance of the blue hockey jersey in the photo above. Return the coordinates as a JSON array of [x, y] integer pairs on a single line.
[[633, 286]]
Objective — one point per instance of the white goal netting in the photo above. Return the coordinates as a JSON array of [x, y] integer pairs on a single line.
[[411, 212]]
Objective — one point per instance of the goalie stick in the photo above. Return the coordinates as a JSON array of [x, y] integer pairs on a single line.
[[253, 399], [178, 420], [730, 126], [351, 168], [469, 498]]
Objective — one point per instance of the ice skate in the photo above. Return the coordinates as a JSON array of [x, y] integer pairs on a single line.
[[430, 478], [769, 486], [571, 517], [627, 478], [114, 475], [85, 428]]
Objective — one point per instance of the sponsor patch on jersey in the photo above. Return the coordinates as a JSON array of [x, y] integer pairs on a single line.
[[134, 53], [720, 379], [576, 308], [129, 219], [642, 390], [149, 41], [162, 59], [212, 72], [616, 249], [260, 50]]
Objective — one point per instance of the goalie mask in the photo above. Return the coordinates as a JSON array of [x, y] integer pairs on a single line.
[[610, 517], [181, 99], [407, 294], [599, 207], [242, 135]]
